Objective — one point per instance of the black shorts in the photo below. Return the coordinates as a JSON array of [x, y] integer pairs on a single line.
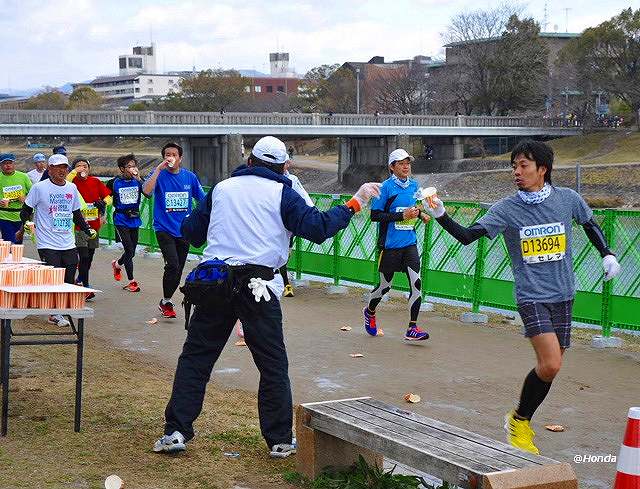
[[399, 259], [553, 317]]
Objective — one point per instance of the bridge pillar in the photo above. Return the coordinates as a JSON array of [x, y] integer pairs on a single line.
[[363, 159], [445, 147], [212, 159]]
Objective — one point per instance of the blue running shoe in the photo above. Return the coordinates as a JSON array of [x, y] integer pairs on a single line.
[[370, 322], [416, 334]]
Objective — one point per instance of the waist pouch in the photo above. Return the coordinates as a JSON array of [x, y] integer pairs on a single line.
[[130, 213], [213, 284]]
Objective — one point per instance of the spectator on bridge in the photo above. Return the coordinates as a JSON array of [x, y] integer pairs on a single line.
[[397, 215], [536, 223], [14, 187], [246, 221], [173, 189], [40, 162]]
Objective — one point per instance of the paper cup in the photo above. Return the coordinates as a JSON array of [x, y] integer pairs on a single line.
[[56, 276], [18, 276], [76, 300], [48, 300], [62, 300], [6, 300], [4, 252], [21, 300], [34, 300], [17, 251]]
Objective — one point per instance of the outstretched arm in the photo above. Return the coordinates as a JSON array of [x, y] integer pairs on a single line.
[[464, 235]]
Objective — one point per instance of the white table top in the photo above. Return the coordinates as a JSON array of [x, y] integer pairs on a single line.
[[87, 312], [46, 288]]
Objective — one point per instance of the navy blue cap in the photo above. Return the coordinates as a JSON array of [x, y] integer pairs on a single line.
[[59, 150], [7, 156]]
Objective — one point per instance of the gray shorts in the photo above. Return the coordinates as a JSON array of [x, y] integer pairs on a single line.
[[553, 317], [83, 241]]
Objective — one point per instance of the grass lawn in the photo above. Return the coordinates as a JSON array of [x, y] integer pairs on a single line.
[[123, 404]]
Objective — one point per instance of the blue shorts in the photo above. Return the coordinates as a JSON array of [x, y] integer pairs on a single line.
[[9, 230], [553, 317]]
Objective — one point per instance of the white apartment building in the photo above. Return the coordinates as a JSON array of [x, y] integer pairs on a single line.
[[142, 86]]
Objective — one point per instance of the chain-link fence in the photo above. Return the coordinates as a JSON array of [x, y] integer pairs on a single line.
[[479, 274]]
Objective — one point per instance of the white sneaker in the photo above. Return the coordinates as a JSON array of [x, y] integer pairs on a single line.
[[172, 443], [59, 320], [283, 450]]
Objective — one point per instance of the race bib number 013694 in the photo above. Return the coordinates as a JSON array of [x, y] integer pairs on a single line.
[[543, 242]]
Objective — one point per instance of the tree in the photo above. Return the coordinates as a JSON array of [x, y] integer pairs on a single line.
[[496, 62], [49, 99], [405, 90], [210, 90], [85, 98], [327, 88], [607, 58]]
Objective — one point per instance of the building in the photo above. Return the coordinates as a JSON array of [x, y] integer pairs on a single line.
[[136, 87], [143, 60]]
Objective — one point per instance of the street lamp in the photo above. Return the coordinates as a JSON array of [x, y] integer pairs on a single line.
[[357, 90]]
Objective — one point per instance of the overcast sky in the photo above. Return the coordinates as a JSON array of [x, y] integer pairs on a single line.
[[51, 42]]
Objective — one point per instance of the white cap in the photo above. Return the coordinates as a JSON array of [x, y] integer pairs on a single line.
[[398, 155], [270, 150], [58, 159]]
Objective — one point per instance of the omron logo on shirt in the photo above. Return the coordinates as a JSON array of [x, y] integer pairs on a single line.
[[543, 242]]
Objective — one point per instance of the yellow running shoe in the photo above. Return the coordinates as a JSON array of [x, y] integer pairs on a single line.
[[288, 291], [519, 433]]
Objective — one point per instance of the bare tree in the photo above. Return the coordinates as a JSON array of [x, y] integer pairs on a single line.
[[404, 90], [481, 24]]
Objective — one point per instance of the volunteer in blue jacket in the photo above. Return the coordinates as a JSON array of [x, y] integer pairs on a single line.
[[396, 212], [127, 192], [246, 221], [536, 223], [173, 189]]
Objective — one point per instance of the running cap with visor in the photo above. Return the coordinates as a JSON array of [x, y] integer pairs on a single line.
[[399, 155], [58, 159], [7, 157], [270, 150], [39, 157]]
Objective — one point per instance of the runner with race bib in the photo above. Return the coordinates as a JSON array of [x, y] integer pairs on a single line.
[[94, 193], [173, 189], [536, 224], [14, 187]]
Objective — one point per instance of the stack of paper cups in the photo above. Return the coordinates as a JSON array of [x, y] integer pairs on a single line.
[[34, 300], [61, 300], [4, 249], [22, 300], [56, 276], [48, 300], [4, 276], [76, 300], [18, 276], [6, 300], [17, 251]]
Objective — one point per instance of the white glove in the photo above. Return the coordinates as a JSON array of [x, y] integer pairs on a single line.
[[611, 267], [438, 210], [259, 289], [366, 191]]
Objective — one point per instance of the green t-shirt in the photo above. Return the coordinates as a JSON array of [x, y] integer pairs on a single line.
[[11, 187]]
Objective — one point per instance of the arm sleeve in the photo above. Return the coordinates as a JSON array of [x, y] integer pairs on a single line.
[[381, 216], [78, 220], [25, 213], [597, 238], [309, 222], [463, 234], [195, 226]]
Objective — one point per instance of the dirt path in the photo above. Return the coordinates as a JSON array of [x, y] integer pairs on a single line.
[[467, 375]]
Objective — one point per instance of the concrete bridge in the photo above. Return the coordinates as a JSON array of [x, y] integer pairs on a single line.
[[212, 140]]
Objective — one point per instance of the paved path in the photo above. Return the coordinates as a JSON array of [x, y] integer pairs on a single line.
[[466, 375]]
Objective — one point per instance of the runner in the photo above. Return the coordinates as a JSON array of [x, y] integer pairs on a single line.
[[536, 225], [40, 162], [127, 191], [297, 186], [93, 191], [57, 206], [14, 186], [396, 212], [173, 189]]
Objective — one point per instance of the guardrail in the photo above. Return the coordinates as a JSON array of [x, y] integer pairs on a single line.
[[253, 118], [478, 274]]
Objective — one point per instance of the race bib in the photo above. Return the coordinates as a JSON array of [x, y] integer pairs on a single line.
[[176, 201], [62, 221], [543, 243], [12, 192], [405, 224], [90, 213], [128, 195]]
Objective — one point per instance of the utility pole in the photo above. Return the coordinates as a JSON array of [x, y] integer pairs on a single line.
[[566, 18], [357, 90]]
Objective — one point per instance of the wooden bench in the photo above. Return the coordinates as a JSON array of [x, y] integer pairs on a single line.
[[334, 433]]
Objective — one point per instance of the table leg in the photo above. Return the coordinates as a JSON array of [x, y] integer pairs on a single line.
[[76, 424], [5, 344]]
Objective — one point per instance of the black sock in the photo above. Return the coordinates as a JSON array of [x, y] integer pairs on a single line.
[[534, 390]]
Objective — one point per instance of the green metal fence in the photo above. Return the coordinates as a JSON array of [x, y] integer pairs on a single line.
[[479, 274]]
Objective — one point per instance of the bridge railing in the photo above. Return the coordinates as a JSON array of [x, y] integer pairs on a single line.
[[479, 274], [255, 118]]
